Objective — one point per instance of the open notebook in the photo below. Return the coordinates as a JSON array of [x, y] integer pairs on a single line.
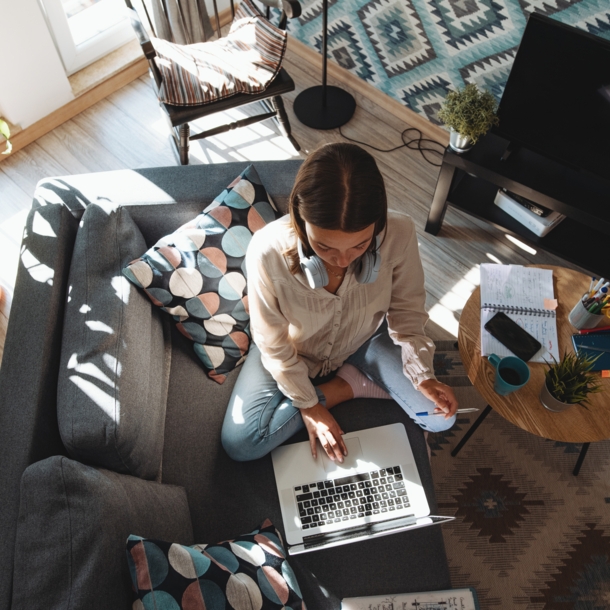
[[453, 599], [524, 294]]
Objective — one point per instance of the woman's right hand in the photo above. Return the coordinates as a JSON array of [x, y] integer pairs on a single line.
[[322, 425]]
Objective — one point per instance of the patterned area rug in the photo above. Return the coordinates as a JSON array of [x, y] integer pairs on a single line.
[[528, 534], [415, 50]]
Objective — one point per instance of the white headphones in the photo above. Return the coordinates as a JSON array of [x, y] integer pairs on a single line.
[[316, 274]]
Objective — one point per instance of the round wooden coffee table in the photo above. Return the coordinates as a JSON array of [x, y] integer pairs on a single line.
[[523, 407]]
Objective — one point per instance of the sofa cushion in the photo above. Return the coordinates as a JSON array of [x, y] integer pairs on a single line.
[[73, 523], [246, 60], [114, 369], [247, 573], [197, 273]]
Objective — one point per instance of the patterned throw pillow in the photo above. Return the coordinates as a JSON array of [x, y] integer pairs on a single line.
[[198, 274], [248, 573]]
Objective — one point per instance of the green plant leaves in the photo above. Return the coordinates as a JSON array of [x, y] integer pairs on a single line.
[[571, 380], [6, 132], [469, 111]]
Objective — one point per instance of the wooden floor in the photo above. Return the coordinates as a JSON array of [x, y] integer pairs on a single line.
[[126, 130]]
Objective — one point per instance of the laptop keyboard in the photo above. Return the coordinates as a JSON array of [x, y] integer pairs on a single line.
[[358, 495]]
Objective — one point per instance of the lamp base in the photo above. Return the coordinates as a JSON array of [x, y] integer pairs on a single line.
[[339, 108]]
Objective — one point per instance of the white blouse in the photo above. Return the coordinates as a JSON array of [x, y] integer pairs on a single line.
[[302, 332]]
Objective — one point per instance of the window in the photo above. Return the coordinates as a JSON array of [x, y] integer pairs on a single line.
[[85, 30]]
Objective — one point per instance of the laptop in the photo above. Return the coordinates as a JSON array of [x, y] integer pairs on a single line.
[[376, 491]]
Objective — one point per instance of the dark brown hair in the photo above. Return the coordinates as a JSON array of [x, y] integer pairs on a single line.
[[339, 187]]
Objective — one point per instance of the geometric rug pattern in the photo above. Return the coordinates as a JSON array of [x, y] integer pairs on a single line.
[[528, 534], [417, 50]]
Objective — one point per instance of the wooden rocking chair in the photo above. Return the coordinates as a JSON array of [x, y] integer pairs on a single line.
[[179, 116]]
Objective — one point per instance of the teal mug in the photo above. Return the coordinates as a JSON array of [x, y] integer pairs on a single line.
[[511, 373]]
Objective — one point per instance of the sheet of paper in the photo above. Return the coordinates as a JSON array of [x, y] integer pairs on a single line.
[[516, 286], [528, 291], [456, 599], [542, 328]]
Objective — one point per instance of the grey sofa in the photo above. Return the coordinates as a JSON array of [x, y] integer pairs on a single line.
[[64, 521]]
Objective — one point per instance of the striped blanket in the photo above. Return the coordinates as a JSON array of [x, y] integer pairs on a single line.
[[246, 60]]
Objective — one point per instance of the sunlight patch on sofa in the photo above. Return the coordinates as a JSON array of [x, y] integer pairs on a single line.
[[121, 287], [99, 326], [104, 401], [42, 226], [39, 271], [89, 369]]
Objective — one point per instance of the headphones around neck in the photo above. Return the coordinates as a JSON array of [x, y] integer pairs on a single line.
[[317, 276]]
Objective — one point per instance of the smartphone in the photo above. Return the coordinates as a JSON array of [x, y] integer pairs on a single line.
[[512, 336]]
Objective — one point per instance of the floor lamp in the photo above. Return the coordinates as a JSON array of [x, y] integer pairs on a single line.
[[324, 107]]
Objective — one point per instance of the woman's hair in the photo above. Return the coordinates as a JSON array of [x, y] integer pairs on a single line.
[[338, 187]]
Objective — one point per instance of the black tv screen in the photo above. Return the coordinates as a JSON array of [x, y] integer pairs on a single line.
[[557, 98]]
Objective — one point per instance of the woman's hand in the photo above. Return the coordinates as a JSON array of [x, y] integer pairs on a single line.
[[441, 395], [322, 425]]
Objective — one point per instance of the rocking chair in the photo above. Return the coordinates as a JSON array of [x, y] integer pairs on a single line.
[[193, 106]]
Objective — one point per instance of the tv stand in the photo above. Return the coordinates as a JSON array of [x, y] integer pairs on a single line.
[[510, 148], [470, 181]]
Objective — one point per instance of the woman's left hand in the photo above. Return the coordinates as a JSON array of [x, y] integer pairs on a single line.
[[441, 395]]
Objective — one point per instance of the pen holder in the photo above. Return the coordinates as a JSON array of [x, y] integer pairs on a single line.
[[581, 319]]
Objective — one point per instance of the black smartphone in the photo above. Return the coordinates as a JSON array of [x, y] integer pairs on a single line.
[[512, 336]]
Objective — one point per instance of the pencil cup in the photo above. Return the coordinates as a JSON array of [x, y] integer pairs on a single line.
[[580, 318]]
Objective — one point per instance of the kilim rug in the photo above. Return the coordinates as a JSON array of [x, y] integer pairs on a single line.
[[528, 534], [416, 50]]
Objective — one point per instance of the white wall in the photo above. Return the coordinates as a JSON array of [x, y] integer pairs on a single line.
[[33, 82]]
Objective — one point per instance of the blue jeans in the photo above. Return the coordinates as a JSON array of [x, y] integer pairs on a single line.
[[259, 417]]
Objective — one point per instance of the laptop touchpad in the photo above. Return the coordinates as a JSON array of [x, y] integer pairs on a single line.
[[354, 453]]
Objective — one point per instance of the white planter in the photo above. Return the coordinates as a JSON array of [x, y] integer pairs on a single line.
[[458, 142]]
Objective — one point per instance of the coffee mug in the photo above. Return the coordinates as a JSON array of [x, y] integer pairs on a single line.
[[511, 373]]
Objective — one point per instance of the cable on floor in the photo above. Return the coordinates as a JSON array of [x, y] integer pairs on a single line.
[[413, 144]]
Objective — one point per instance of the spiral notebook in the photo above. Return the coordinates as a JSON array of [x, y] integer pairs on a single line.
[[453, 599], [526, 295]]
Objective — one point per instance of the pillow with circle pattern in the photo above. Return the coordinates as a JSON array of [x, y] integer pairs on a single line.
[[248, 573], [197, 274]]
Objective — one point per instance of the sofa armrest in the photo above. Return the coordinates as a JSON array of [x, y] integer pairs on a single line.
[[74, 521], [28, 377]]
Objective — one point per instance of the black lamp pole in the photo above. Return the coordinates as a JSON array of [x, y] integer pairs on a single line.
[[324, 107]]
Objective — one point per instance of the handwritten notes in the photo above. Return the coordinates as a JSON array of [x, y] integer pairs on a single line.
[[455, 599], [524, 295]]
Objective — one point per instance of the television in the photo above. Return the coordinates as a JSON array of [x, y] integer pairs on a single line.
[[557, 98]]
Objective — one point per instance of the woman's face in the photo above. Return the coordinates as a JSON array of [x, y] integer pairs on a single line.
[[338, 248]]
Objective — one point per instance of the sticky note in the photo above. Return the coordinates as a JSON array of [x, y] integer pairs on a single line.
[[550, 303], [605, 373]]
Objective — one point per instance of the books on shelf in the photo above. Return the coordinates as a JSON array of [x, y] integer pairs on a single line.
[[537, 219], [453, 599], [526, 295]]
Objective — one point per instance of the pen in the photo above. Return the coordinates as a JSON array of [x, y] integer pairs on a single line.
[[600, 329], [591, 283], [424, 413], [597, 286]]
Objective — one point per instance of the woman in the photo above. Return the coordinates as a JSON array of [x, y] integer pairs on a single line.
[[336, 297]]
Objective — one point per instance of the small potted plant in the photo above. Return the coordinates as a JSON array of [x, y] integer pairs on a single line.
[[569, 382], [6, 132], [469, 113]]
